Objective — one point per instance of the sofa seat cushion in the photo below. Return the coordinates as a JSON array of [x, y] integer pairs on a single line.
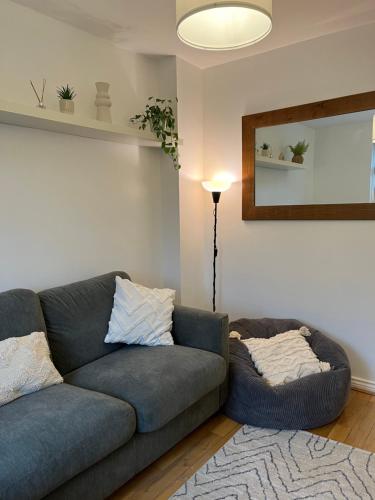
[[159, 382], [52, 435]]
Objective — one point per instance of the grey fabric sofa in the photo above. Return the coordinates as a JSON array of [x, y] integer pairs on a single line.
[[120, 407]]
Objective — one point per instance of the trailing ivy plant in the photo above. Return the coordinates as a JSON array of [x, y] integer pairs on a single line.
[[159, 116], [67, 92]]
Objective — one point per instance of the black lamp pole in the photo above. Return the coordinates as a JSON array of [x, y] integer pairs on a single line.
[[216, 199]]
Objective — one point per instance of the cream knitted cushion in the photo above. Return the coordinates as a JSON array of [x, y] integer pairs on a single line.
[[25, 366], [141, 315], [284, 357]]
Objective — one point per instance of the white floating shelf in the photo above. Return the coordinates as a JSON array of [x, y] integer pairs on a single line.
[[262, 161], [54, 121]]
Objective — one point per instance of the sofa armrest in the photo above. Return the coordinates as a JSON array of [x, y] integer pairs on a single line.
[[201, 329]]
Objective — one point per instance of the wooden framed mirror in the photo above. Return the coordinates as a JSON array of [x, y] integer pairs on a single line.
[[333, 179]]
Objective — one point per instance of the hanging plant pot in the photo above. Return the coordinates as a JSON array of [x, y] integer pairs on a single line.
[[159, 117]]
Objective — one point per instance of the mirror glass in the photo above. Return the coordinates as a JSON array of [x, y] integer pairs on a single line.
[[324, 161]]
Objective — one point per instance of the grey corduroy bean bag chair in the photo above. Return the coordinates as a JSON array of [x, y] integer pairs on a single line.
[[309, 402]]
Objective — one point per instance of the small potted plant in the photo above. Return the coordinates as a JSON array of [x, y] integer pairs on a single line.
[[66, 95], [265, 149], [159, 116], [298, 151]]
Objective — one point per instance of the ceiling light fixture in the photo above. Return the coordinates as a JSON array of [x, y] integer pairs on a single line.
[[223, 25]]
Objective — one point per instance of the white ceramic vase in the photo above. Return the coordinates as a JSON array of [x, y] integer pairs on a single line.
[[66, 106], [103, 102]]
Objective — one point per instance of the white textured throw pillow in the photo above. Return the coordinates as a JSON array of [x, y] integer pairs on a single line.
[[141, 315], [285, 357], [25, 366]]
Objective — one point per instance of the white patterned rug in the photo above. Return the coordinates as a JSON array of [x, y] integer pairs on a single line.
[[264, 464]]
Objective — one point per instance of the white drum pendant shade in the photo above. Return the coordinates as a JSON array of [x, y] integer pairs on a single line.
[[223, 25]]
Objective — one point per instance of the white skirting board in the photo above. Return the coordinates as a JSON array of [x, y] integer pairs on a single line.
[[363, 385]]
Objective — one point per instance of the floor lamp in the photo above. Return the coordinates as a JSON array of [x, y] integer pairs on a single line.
[[215, 188]]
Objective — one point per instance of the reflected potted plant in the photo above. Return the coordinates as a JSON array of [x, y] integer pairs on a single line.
[[265, 149], [298, 151], [159, 116], [66, 96]]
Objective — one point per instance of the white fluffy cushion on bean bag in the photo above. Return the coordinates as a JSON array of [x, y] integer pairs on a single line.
[[141, 315], [25, 366], [284, 357]]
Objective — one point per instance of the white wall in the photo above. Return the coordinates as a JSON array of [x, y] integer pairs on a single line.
[[71, 207], [318, 271], [192, 196], [169, 178]]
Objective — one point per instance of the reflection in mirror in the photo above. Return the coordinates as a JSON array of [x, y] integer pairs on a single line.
[[332, 161]]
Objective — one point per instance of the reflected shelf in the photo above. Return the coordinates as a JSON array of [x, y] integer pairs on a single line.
[[264, 162]]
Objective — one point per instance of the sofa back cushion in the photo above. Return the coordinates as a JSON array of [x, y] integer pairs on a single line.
[[20, 314], [77, 317]]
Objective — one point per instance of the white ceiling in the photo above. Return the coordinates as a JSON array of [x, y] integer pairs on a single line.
[[148, 26]]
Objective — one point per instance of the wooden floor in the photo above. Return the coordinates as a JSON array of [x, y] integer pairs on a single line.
[[356, 427]]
